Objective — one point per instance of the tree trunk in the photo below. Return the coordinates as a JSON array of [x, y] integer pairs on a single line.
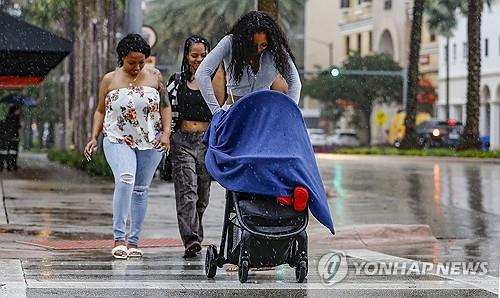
[[410, 139], [88, 76], [447, 87], [111, 31], [471, 131], [269, 6], [65, 141], [367, 113]]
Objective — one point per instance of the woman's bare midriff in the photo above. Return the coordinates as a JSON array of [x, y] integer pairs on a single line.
[[193, 126]]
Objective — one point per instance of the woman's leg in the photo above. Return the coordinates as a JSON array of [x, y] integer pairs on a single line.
[[185, 184], [147, 162], [204, 181], [122, 160]]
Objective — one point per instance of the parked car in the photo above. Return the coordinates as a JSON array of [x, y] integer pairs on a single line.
[[317, 137], [343, 138], [439, 133], [397, 128]]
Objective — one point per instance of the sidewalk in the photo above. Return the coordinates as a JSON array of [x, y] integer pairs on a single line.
[[46, 201]]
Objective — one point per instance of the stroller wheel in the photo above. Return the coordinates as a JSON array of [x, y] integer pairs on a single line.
[[243, 271], [301, 271], [211, 261]]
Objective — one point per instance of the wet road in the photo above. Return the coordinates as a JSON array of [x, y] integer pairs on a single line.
[[45, 201], [460, 201]]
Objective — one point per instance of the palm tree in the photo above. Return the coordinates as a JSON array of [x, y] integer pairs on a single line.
[[210, 18], [410, 139], [269, 6], [92, 26], [471, 131], [442, 20]]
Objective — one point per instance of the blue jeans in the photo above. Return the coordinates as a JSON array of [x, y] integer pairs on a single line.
[[133, 170]]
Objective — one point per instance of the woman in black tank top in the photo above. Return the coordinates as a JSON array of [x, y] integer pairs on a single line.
[[191, 178]]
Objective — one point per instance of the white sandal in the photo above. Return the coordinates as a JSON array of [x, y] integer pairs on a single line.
[[119, 248], [134, 252]]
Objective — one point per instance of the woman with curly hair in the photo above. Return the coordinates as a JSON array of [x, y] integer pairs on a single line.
[[135, 117], [255, 54]]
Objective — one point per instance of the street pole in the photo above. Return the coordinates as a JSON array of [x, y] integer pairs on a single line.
[[133, 16], [330, 49]]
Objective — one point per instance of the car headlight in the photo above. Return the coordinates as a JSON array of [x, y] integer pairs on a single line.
[[435, 132]]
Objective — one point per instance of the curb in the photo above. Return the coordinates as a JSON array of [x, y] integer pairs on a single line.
[[362, 236]]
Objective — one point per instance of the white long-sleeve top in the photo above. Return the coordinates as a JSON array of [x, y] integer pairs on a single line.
[[249, 82]]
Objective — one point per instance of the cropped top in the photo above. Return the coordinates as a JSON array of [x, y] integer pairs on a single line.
[[192, 107], [249, 82], [134, 113]]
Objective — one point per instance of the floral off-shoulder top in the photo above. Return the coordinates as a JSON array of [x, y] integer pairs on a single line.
[[133, 116]]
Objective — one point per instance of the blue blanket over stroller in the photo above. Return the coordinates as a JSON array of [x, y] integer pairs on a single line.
[[260, 145]]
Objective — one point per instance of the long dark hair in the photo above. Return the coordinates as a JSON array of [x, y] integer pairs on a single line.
[[190, 41], [132, 43], [243, 48]]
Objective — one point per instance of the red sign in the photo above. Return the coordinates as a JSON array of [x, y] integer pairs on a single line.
[[425, 59]]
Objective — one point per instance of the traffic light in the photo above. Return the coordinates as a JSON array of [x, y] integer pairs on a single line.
[[335, 72]]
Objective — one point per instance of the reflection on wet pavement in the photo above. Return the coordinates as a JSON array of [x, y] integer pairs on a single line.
[[459, 201]]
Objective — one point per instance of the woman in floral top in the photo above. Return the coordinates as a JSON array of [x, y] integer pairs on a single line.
[[135, 117]]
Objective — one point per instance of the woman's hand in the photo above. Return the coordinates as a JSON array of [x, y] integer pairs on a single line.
[[89, 148], [163, 144]]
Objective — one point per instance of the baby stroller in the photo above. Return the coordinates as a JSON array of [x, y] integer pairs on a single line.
[[259, 163], [258, 232]]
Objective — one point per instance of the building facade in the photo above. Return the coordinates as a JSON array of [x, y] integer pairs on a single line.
[[489, 117], [367, 27]]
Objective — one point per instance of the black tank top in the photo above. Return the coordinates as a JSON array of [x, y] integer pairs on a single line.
[[192, 106]]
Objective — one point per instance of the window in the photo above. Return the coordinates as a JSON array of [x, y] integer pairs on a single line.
[[344, 3], [486, 45], [347, 45], [465, 51], [387, 4], [433, 37], [370, 41]]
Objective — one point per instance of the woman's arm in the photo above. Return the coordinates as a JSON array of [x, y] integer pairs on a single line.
[[208, 67], [166, 115], [292, 78], [280, 84], [219, 84], [99, 113]]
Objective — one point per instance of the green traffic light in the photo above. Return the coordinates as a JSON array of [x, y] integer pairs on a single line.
[[335, 72]]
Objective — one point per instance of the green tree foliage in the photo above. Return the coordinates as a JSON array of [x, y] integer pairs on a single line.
[[175, 20], [442, 20], [364, 91]]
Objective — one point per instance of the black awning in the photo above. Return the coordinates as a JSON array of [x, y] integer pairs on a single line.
[[27, 50]]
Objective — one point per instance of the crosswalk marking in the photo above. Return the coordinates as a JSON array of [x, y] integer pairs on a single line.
[[12, 283], [485, 282], [172, 273]]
